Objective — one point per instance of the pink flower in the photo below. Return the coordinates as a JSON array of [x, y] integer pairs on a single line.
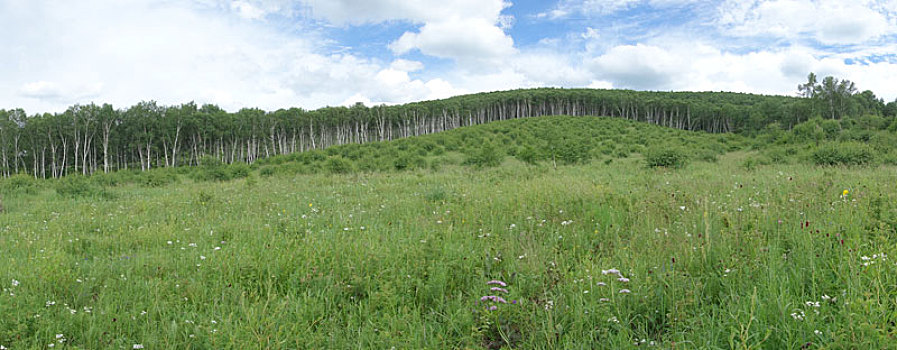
[[494, 298], [497, 289], [500, 283]]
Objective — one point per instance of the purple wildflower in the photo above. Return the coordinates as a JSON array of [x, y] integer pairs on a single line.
[[500, 283], [623, 279], [610, 272], [497, 289], [494, 298], [493, 308]]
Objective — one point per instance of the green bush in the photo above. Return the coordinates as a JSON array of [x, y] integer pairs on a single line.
[[338, 165], [527, 155], [19, 183], [846, 153], [485, 156], [408, 161], [665, 156], [238, 170], [158, 178], [79, 186]]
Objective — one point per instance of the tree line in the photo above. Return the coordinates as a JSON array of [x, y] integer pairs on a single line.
[[92, 138]]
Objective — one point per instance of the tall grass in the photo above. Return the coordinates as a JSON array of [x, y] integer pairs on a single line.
[[716, 256]]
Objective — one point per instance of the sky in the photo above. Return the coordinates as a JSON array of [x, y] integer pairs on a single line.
[[274, 54]]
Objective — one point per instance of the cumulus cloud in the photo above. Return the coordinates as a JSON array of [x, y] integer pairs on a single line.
[[467, 40], [62, 53], [702, 67], [344, 12], [826, 21]]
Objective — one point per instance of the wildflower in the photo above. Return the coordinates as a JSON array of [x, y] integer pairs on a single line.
[[623, 279], [498, 289], [601, 284], [500, 283], [201, 257], [625, 291], [817, 332], [494, 298], [610, 272], [15, 283], [51, 303], [493, 308], [845, 193], [613, 319], [603, 300], [137, 346]]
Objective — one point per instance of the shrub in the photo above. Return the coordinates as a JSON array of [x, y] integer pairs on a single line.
[[485, 156], [19, 183], [408, 161], [79, 186], [338, 165], [665, 156], [527, 155], [158, 178], [847, 153]]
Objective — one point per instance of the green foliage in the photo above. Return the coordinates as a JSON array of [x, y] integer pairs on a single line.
[[568, 151], [527, 155], [75, 186], [844, 153], [665, 156], [486, 155], [19, 183], [213, 169], [338, 165], [160, 177]]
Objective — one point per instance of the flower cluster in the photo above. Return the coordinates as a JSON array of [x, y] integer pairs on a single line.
[[875, 257], [620, 278], [497, 288]]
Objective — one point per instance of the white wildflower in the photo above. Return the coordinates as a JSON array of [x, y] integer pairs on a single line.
[[15, 283], [610, 272], [625, 291]]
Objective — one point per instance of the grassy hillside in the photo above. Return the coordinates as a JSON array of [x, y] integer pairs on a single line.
[[392, 245]]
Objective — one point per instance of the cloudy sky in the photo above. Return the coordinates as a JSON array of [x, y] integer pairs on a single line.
[[311, 53]]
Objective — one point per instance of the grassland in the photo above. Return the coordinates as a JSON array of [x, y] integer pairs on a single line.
[[716, 254]]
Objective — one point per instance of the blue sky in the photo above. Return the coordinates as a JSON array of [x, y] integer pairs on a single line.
[[312, 53]]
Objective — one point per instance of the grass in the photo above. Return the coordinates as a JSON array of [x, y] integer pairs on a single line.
[[717, 256]]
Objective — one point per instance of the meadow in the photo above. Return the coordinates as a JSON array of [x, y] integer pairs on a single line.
[[446, 241]]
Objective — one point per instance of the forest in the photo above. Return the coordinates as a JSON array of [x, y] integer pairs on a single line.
[[91, 138]]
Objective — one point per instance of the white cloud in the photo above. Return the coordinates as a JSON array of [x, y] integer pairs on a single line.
[[62, 53], [406, 65], [418, 11], [826, 21], [701, 67], [638, 67], [466, 40], [566, 8]]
